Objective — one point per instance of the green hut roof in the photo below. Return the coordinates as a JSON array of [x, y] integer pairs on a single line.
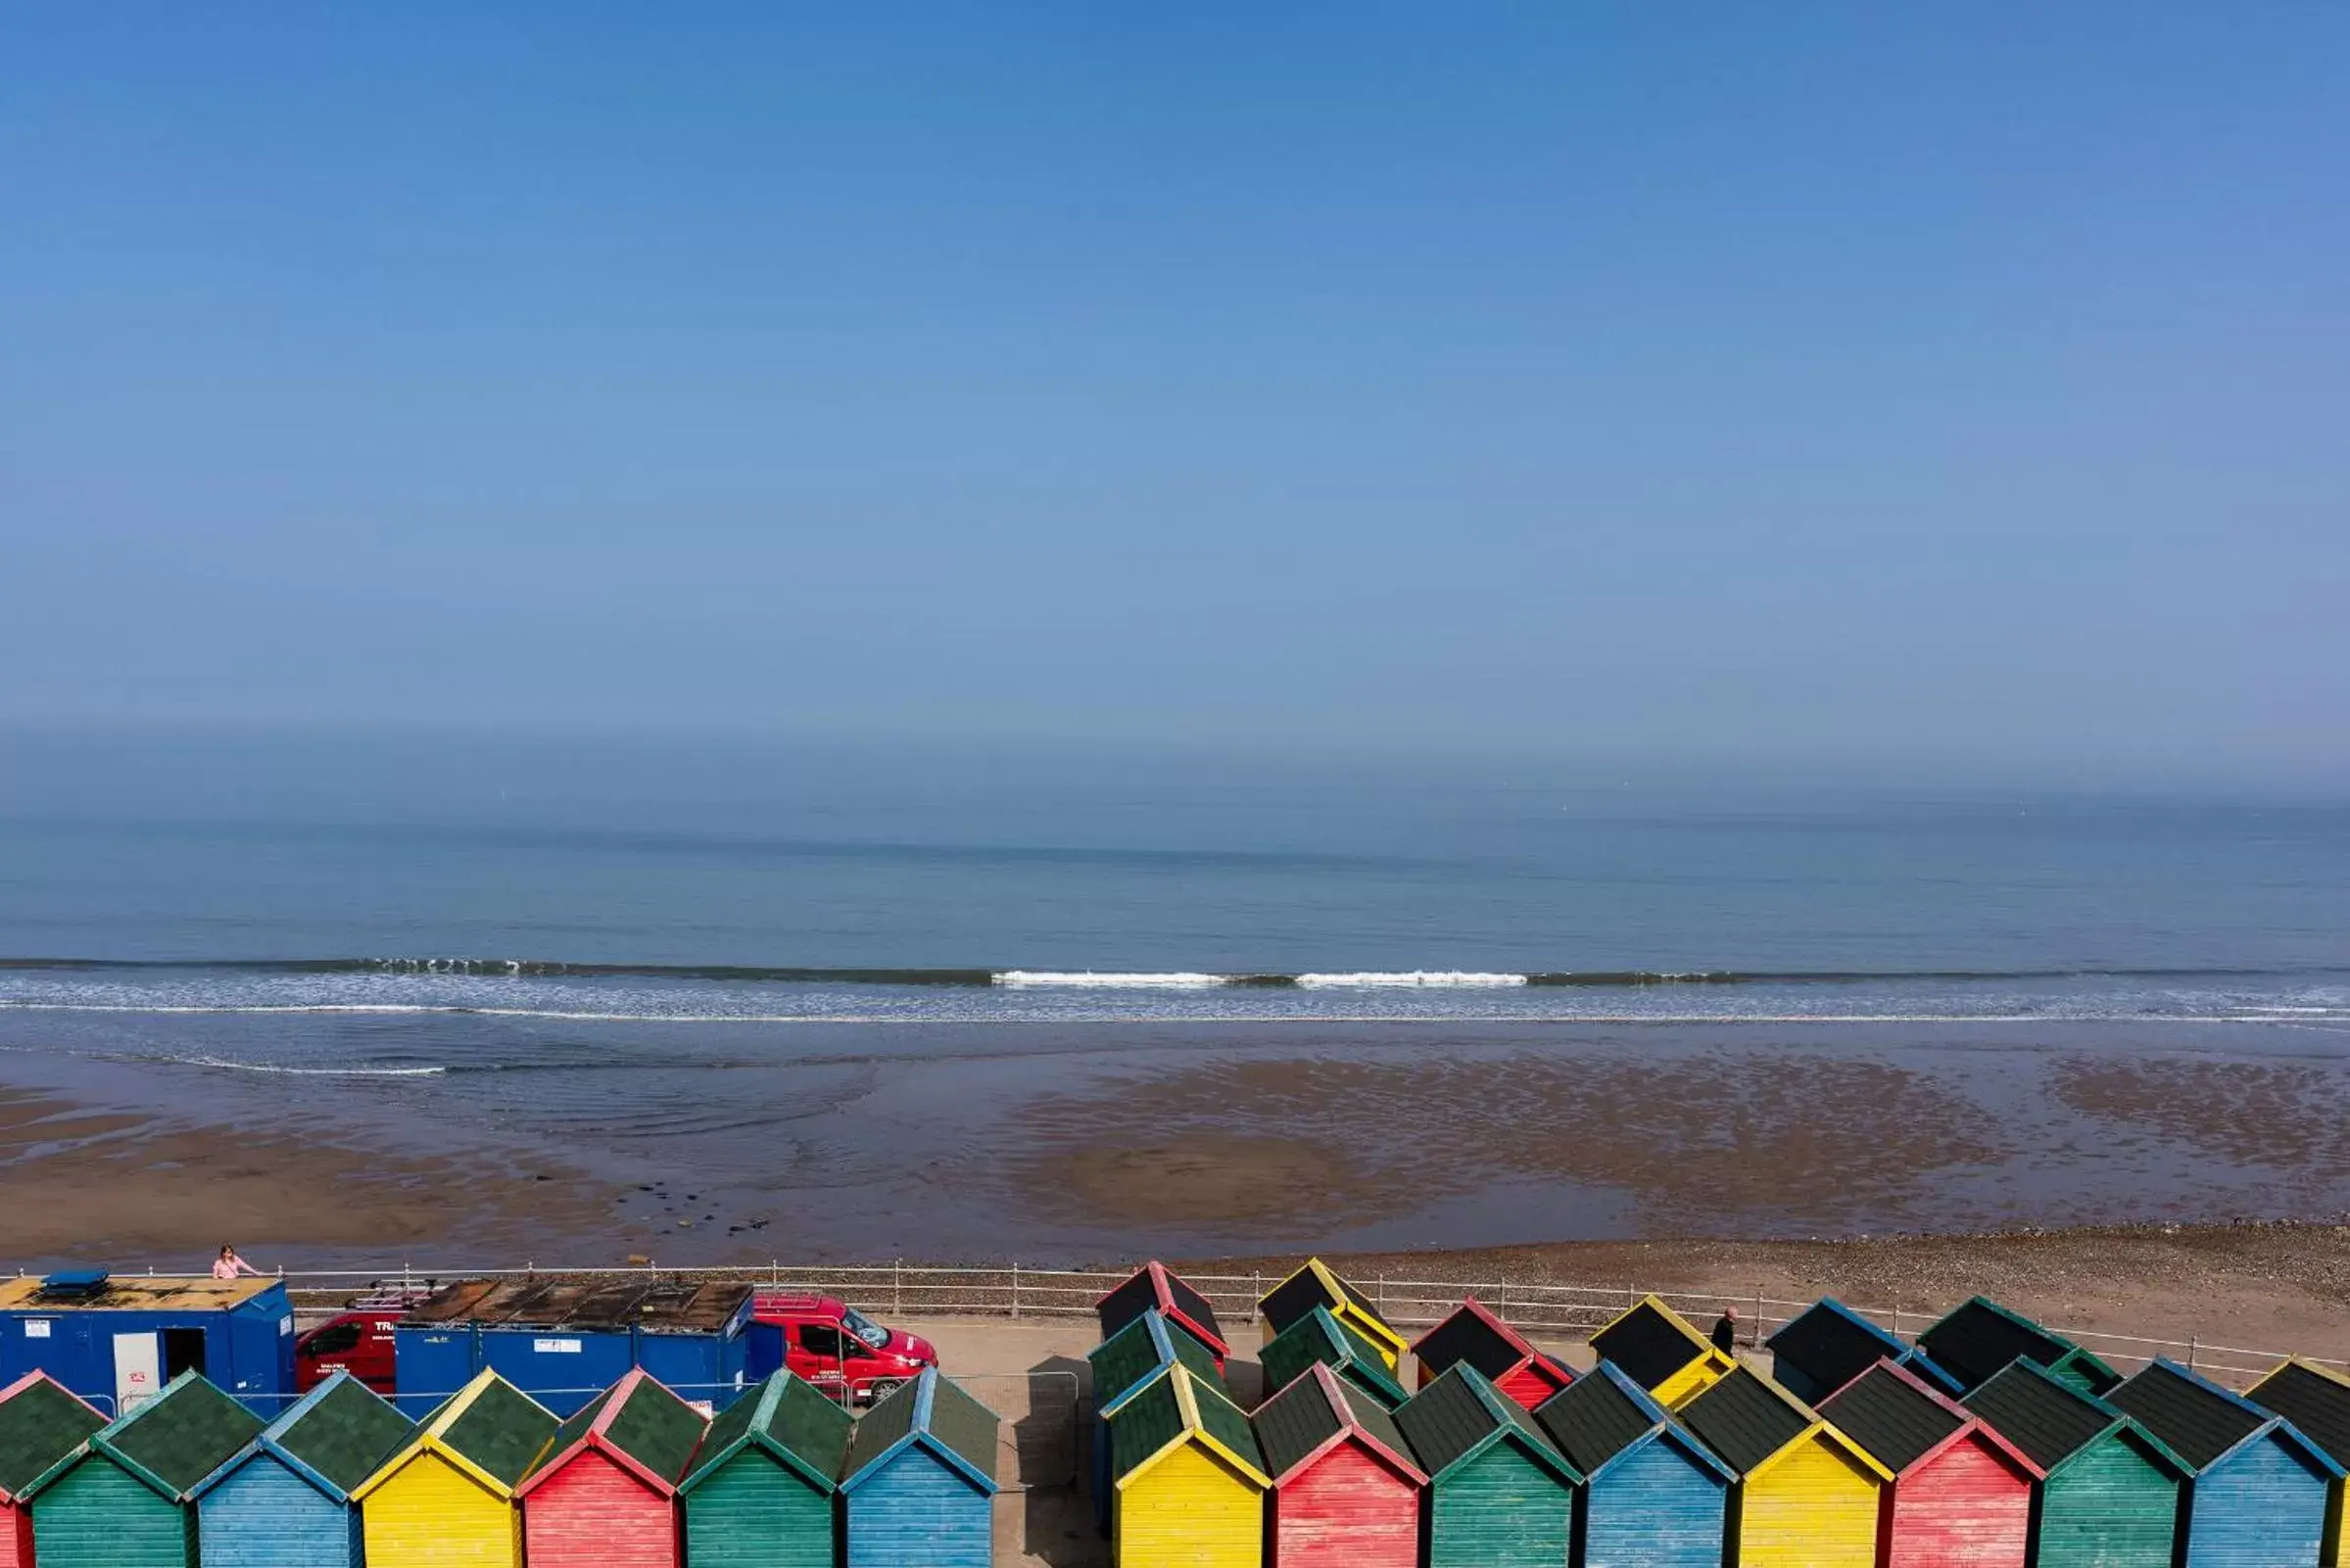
[[655, 1427], [1148, 1421], [1129, 1358], [1460, 1413], [930, 1405], [40, 1423], [345, 1432], [790, 1417], [502, 1431], [183, 1434], [1295, 1422], [965, 1425], [883, 1427], [1321, 1336]]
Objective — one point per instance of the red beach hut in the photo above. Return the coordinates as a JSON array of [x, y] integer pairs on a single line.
[[1156, 1286], [1473, 1334], [1962, 1495], [603, 1494], [1345, 1485]]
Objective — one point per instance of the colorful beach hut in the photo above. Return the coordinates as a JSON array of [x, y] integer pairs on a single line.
[[1659, 1350], [1345, 1485], [1318, 1338], [760, 1492], [1121, 1366], [1156, 1288], [603, 1492], [1473, 1334], [1807, 1496], [2108, 1493], [283, 1501], [446, 1498], [1499, 1494], [121, 1499], [1188, 1479], [1653, 1496], [1316, 1285], [920, 1479], [2317, 1401], [2258, 1492], [1978, 1338], [1961, 1494], [1828, 1345], [41, 1423]]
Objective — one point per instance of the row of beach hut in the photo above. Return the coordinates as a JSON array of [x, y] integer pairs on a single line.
[[637, 1477], [1989, 1443]]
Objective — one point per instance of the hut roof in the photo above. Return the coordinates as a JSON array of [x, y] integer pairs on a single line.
[[788, 1417], [1176, 1406], [40, 1424], [2051, 1421], [935, 1415], [1750, 1421], [2315, 1398], [1977, 1338], [1316, 1285], [1650, 1342], [585, 1306], [1473, 1334], [147, 1293], [1604, 1414], [488, 1428], [2200, 1421], [638, 1423], [1156, 1286], [178, 1437], [1319, 1337], [1461, 1414], [1303, 1421], [334, 1436], [1131, 1357], [1834, 1344], [1901, 1419]]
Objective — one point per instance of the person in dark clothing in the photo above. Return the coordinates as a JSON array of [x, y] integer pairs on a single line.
[[1725, 1331]]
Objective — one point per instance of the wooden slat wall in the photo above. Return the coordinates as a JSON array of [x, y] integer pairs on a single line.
[[1966, 1507], [2109, 1508], [16, 1537], [1189, 1511], [1813, 1509], [432, 1515], [2264, 1509], [1500, 1511], [1347, 1511], [266, 1516], [594, 1514], [100, 1517], [755, 1513], [1653, 1510], [918, 1513]]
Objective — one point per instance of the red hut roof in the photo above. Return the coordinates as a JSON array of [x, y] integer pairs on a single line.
[[1155, 1285]]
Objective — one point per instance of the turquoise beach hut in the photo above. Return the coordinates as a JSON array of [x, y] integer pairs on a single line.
[[284, 1500], [123, 1498], [2257, 1492]]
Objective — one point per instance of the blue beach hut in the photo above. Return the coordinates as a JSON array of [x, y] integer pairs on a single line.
[[1653, 1496], [284, 1500], [919, 1487], [1828, 1345], [2257, 1492]]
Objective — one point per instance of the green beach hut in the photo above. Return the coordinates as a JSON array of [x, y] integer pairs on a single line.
[[1499, 1494], [2110, 1489], [121, 1499], [41, 1421], [760, 1492], [1320, 1338]]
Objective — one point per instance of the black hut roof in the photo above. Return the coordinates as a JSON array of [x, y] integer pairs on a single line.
[[1980, 1337], [1745, 1420], [1593, 1419], [2046, 1419], [1833, 1344], [1155, 1285], [2318, 1405], [2195, 1420], [1471, 1335], [1897, 1422], [1647, 1344], [1295, 1422]]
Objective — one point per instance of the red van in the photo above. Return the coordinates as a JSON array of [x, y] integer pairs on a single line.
[[356, 1340], [839, 1348]]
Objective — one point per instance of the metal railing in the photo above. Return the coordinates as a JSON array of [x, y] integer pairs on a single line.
[[1015, 1291]]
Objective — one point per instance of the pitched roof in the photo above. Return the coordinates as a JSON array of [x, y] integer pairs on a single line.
[[785, 1416], [1833, 1344], [2315, 1398], [1151, 1418], [1133, 1356], [1894, 1416], [1977, 1338], [1298, 1423], [638, 1423], [494, 1426], [1595, 1418], [1461, 1414], [1172, 1406], [180, 1436], [1319, 1337], [1650, 1342], [2051, 1421], [1155, 1285], [342, 1432], [2197, 1419], [1746, 1419], [936, 1414], [1376, 1420], [1317, 1285], [40, 1423], [1471, 1333]]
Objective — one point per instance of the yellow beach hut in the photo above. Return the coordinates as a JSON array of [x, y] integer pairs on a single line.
[[446, 1498], [1189, 1478], [1807, 1496], [1657, 1348], [1316, 1285]]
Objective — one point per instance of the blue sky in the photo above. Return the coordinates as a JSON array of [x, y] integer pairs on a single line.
[[1911, 386]]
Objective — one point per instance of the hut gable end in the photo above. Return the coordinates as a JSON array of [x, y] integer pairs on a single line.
[[1892, 1417]]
